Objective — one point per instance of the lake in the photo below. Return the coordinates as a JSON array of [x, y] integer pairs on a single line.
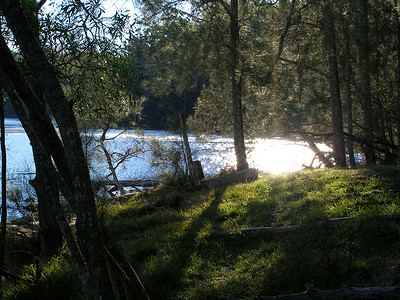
[[215, 153]]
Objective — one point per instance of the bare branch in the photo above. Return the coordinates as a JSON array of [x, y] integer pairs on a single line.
[[285, 30], [317, 70]]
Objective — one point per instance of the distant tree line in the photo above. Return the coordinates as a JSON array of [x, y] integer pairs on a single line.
[[310, 70]]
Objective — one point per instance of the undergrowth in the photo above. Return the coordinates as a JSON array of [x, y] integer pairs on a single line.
[[56, 279]]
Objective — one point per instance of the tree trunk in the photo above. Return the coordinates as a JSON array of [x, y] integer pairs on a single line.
[[3, 187], [365, 84], [109, 160], [88, 232], [50, 236], [236, 82], [398, 80], [195, 171], [349, 100], [71, 174], [334, 89], [46, 164], [321, 156]]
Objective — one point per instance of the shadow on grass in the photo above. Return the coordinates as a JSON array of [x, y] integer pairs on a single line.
[[171, 269]]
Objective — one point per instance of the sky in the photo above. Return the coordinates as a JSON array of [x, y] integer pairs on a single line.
[[111, 6]]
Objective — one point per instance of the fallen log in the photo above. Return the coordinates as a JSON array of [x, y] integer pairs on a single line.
[[241, 176], [376, 292], [130, 183], [284, 229], [140, 182]]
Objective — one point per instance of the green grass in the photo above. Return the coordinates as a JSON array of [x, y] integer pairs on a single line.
[[57, 280], [177, 255]]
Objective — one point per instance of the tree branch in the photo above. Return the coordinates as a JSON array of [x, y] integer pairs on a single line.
[[285, 30], [317, 70], [39, 5]]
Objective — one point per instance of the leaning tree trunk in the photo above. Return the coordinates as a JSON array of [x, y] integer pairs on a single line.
[[3, 187], [236, 82], [50, 236], [89, 235], [70, 174], [336, 104], [397, 113]]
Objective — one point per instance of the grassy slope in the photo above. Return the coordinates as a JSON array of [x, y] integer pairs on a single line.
[[176, 254]]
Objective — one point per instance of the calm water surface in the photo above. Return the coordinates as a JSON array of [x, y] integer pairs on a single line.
[[267, 155]]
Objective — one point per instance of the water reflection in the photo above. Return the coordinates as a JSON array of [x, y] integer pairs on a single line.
[[277, 155], [215, 153]]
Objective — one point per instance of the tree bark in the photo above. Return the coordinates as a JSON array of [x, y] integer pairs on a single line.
[[71, 174], [334, 89], [195, 173], [236, 84], [349, 100], [365, 84], [50, 236], [3, 187], [398, 79]]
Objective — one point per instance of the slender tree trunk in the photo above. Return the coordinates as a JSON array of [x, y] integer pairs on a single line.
[[188, 151], [365, 84], [349, 100], [109, 159], [3, 187], [336, 103], [398, 80], [236, 81]]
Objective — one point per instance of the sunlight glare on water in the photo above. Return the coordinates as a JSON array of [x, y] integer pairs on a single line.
[[217, 153], [277, 156]]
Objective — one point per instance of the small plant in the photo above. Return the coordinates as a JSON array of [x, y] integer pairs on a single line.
[[22, 203], [169, 158]]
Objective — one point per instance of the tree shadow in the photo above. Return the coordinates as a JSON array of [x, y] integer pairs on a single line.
[[171, 274]]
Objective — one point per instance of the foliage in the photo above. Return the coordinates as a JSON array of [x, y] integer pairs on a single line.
[[20, 197], [169, 158], [288, 95]]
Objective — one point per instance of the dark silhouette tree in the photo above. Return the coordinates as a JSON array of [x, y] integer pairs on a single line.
[[95, 255]]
